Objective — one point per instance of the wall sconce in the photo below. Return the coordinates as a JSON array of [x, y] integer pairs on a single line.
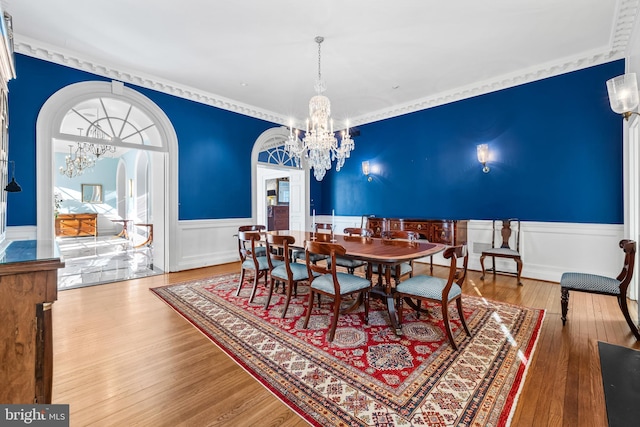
[[483, 156], [623, 94], [366, 170], [130, 188], [13, 186]]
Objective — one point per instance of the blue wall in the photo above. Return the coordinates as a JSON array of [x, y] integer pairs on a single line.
[[556, 154], [556, 150], [214, 145]]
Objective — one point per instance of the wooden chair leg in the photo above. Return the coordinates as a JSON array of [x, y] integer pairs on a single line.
[[256, 278], [365, 296], [286, 303], [266, 305], [461, 315], [622, 302], [400, 305], [447, 326], [309, 308], [482, 265], [564, 302], [519, 263], [334, 320], [241, 282], [493, 263]]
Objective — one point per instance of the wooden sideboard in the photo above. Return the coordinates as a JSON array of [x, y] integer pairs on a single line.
[[445, 231], [77, 225], [28, 288], [278, 217]]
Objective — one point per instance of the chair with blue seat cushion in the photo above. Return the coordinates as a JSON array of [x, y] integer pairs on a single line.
[[248, 243], [260, 250], [333, 284], [439, 290], [603, 285], [298, 254], [509, 230], [282, 269], [349, 263], [402, 269]]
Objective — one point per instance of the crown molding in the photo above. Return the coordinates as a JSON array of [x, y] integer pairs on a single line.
[[37, 49], [625, 20]]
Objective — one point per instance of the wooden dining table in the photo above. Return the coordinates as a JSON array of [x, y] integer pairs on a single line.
[[388, 253]]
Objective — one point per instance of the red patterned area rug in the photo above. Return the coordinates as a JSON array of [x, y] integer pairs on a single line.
[[369, 376]]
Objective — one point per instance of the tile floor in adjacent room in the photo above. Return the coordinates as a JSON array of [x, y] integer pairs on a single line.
[[98, 260]]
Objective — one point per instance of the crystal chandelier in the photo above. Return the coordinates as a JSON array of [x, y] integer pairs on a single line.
[[76, 163], [319, 146], [96, 132]]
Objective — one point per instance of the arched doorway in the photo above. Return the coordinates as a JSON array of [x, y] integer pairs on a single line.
[[269, 161], [157, 138]]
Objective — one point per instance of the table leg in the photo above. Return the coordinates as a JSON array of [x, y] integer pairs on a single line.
[[391, 305]]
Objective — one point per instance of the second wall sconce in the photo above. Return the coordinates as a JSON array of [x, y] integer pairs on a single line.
[[366, 170], [483, 156], [623, 94]]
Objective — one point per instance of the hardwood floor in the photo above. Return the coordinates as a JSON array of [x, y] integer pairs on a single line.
[[123, 357]]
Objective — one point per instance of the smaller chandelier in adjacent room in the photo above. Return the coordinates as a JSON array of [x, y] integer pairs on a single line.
[[76, 163], [319, 146]]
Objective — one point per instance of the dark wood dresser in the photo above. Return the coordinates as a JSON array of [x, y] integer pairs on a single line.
[[445, 231], [28, 288], [77, 225], [278, 217]]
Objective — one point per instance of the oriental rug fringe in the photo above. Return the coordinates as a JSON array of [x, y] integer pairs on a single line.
[[368, 376]]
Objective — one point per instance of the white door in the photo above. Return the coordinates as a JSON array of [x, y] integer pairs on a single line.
[[297, 213]]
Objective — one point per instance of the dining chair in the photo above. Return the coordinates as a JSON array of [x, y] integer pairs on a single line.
[[438, 290], [332, 283], [320, 227], [281, 268], [349, 263], [260, 250], [402, 269], [506, 228], [603, 285], [248, 242]]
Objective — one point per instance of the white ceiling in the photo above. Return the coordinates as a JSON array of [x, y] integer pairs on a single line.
[[379, 58]]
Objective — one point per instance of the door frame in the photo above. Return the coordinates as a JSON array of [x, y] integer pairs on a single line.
[[48, 122]]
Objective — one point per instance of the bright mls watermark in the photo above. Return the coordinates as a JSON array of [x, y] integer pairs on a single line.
[[34, 415]]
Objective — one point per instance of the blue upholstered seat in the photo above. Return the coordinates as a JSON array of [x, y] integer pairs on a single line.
[[263, 264], [405, 268], [596, 284], [348, 283], [299, 271], [429, 287], [590, 282]]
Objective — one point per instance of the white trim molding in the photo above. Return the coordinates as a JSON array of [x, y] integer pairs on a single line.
[[624, 22]]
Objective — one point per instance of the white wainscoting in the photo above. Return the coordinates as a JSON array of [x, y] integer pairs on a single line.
[[548, 249]]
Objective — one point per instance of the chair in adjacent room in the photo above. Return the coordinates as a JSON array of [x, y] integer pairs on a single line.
[[260, 250], [438, 290], [349, 263], [402, 269], [603, 285], [282, 269], [509, 230], [248, 243], [333, 284]]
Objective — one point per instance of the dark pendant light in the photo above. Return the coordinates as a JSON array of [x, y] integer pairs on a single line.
[[13, 186]]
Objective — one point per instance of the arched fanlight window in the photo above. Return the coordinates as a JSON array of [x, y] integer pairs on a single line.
[[109, 121]]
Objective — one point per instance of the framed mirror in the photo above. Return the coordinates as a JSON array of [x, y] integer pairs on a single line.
[[283, 191], [91, 193]]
